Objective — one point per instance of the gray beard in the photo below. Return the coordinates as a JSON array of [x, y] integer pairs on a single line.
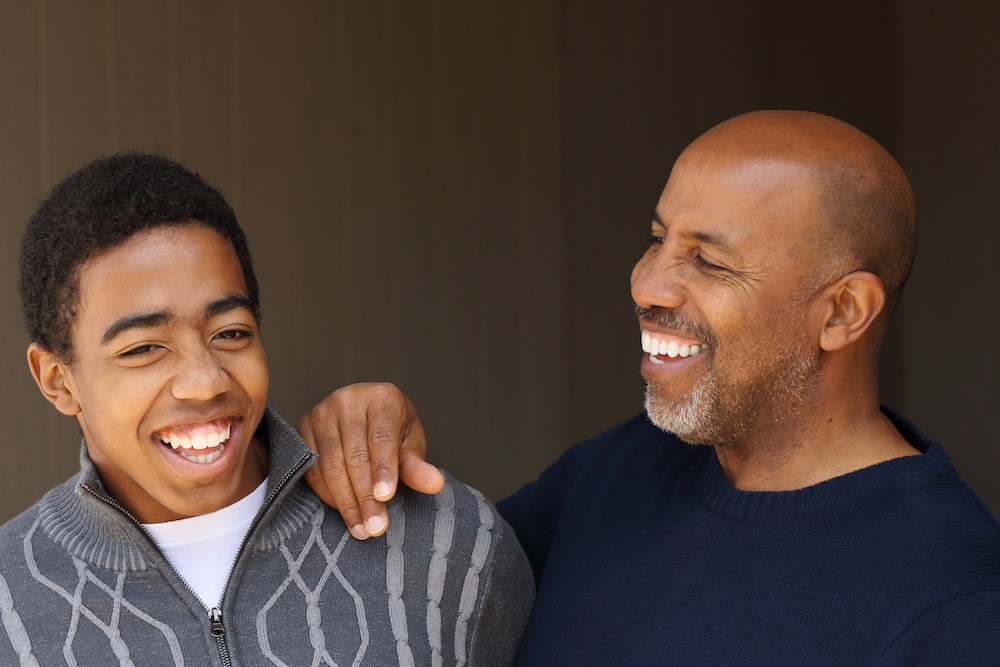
[[723, 412]]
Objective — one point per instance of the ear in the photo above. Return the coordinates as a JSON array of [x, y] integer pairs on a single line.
[[850, 306], [50, 376]]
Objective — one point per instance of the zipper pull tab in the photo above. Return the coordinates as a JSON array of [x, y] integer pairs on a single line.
[[215, 616]]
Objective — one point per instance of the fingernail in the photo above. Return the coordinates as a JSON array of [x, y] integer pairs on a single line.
[[381, 489], [374, 524], [359, 532]]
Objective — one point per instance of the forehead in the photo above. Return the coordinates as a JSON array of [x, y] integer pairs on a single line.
[[755, 204], [176, 269]]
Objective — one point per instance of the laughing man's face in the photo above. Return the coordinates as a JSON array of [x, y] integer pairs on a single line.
[[723, 295], [169, 379]]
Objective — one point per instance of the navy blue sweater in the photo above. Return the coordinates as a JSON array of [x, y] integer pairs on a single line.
[[645, 554]]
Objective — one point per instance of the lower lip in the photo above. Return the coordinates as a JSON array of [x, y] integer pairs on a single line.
[[669, 366]]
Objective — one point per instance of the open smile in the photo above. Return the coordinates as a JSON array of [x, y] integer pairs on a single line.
[[658, 345], [202, 443]]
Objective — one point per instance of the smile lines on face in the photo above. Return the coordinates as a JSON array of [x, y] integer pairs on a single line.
[[190, 438], [656, 347]]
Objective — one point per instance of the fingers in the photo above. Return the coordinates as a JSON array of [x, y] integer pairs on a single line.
[[366, 435], [386, 425], [329, 477], [358, 465], [414, 470]]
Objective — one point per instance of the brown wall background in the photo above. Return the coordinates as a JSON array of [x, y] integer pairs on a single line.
[[450, 195]]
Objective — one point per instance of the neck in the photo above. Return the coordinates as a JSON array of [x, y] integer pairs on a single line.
[[812, 447]]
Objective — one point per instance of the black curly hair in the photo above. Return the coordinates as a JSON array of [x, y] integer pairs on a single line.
[[98, 207]]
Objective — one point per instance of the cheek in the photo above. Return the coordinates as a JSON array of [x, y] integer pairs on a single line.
[[114, 406], [250, 372]]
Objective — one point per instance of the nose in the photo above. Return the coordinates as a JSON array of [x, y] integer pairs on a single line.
[[655, 281], [200, 377]]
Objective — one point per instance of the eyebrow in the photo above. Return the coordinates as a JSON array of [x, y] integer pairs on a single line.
[[159, 318], [707, 238], [228, 304]]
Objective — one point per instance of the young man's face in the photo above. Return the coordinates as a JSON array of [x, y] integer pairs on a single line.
[[166, 350]]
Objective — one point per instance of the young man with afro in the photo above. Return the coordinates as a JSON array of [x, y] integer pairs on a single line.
[[188, 536]]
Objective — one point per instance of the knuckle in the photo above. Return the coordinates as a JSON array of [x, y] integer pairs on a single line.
[[382, 436], [334, 467], [358, 458]]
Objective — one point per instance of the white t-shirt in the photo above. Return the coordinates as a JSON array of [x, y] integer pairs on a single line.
[[203, 548]]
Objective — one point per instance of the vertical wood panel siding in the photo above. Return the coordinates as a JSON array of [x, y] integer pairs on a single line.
[[450, 195]]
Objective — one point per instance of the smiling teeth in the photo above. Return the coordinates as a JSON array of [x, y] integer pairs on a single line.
[[203, 436], [205, 458], [656, 347]]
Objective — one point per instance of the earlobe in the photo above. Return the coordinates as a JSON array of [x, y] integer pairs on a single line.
[[50, 376], [852, 305]]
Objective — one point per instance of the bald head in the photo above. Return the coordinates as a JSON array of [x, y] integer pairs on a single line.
[[865, 200]]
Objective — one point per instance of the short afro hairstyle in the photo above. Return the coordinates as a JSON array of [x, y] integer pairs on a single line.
[[99, 207]]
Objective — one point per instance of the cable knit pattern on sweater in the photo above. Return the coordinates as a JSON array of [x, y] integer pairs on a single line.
[[83, 584]]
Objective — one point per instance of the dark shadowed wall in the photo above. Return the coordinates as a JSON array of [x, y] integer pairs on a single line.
[[450, 195]]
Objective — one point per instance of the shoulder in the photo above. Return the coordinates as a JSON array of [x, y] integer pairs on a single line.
[[13, 534], [940, 541], [959, 630], [459, 520], [477, 577], [53, 505], [948, 529], [460, 533], [933, 495]]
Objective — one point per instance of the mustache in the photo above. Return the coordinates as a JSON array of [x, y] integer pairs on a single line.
[[668, 318]]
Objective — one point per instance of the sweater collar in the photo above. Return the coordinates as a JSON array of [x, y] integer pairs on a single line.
[[723, 498], [87, 522], [286, 451]]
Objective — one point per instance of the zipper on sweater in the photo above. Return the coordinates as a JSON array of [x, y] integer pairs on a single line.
[[108, 500], [219, 632], [260, 515]]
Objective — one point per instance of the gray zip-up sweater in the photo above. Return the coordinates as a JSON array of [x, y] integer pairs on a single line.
[[81, 583]]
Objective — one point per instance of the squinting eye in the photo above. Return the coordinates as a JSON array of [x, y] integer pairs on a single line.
[[705, 264], [233, 334], [655, 240], [140, 351]]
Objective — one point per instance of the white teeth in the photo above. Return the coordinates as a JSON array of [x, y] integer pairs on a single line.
[[197, 441], [656, 360], [663, 348], [204, 458]]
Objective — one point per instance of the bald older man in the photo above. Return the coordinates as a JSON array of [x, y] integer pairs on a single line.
[[764, 510]]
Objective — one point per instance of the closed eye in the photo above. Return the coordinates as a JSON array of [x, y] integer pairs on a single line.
[[140, 351], [707, 265]]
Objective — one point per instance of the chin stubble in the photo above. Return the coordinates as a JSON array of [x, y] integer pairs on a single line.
[[724, 412]]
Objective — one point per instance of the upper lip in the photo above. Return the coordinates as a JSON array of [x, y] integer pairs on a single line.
[[195, 420], [665, 333]]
